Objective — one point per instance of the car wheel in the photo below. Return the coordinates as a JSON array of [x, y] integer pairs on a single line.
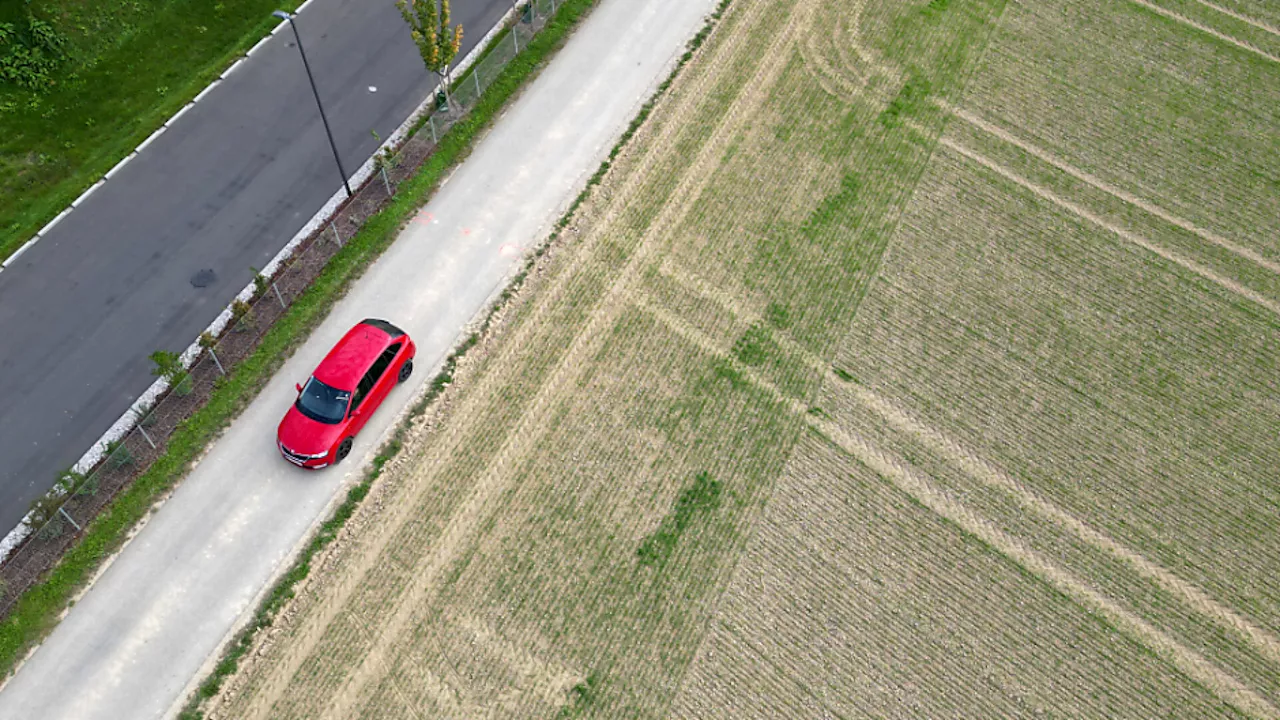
[[405, 371], [344, 449]]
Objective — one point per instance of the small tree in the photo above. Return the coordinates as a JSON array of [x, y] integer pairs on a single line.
[[169, 367], [242, 315], [437, 42], [118, 454], [260, 282]]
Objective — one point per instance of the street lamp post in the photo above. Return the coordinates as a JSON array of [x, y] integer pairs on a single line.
[[287, 16]]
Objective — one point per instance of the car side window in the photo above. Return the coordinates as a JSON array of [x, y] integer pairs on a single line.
[[380, 365], [366, 384]]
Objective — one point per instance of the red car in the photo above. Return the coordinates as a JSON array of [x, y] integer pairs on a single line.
[[350, 383]]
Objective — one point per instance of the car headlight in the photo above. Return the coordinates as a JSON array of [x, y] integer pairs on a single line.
[[303, 456]]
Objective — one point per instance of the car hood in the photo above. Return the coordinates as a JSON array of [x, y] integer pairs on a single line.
[[303, 435]]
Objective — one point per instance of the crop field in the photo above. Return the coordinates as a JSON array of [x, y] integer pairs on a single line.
[[915, 359]]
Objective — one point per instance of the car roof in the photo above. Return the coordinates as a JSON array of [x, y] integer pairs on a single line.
[[347, 362]]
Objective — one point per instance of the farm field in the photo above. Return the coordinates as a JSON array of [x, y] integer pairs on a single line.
[[915, 359]]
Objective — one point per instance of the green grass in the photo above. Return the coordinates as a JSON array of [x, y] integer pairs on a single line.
[[38, 610], [580, 697], [133, 64], [702, 496]]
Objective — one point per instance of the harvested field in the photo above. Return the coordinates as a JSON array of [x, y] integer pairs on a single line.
[[914, 360]]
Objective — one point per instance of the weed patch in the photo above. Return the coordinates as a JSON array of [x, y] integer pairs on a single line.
[[701, 497]]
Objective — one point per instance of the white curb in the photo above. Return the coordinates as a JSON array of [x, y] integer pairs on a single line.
[[88, 192], [120, 164], [206, 91], [49, 226], [259, 44], [180, 113], [231, 69], [152, 138]]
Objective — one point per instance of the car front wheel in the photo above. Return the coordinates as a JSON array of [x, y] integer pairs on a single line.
[[405, 371], [344, 449]]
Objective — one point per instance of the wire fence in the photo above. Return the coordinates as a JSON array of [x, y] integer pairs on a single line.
[[61, 516]]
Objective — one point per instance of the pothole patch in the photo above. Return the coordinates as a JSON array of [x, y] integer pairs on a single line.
[[203, 278]]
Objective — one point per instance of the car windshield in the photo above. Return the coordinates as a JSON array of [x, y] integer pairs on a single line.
[[323, 403]]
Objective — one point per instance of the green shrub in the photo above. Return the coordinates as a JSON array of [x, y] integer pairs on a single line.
[[118, 454], [29, 55]]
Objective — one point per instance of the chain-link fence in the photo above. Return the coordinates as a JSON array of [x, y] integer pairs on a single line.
[[60, 517]]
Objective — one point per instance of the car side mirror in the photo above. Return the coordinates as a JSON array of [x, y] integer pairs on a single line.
[[299, 386]]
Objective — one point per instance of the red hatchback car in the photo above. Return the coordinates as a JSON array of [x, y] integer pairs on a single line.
[[338, 399]]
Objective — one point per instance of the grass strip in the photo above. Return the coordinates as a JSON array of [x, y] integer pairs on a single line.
[[38, 610], [544, 44]]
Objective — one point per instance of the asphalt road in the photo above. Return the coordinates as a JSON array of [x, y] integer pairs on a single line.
[[225, 188], [133, 644]]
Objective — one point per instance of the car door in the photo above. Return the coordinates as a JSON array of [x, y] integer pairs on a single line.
[[362, 404], [372, 388], [387, 367]]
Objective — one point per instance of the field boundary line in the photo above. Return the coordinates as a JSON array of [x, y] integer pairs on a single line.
[[1242, 18], [910, 482], [1046, 194], [662, 136], [690, 334], [1176, 17], [982, 471], [1100, 184], [725, 300], [532, 423]]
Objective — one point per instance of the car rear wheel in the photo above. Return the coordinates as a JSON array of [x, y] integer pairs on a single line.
[[405, 371], [344, 449]]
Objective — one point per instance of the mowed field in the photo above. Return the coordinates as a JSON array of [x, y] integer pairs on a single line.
[[916, 359]]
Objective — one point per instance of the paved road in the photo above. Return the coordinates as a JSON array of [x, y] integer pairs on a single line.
[[225, 188], [132, 644]]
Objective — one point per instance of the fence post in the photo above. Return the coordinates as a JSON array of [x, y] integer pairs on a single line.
[[147, 437], [476, 74], [336, 237], [63, 510], [278, 296], [515, 34], [432, 122], [386, 183], [217, 362]]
